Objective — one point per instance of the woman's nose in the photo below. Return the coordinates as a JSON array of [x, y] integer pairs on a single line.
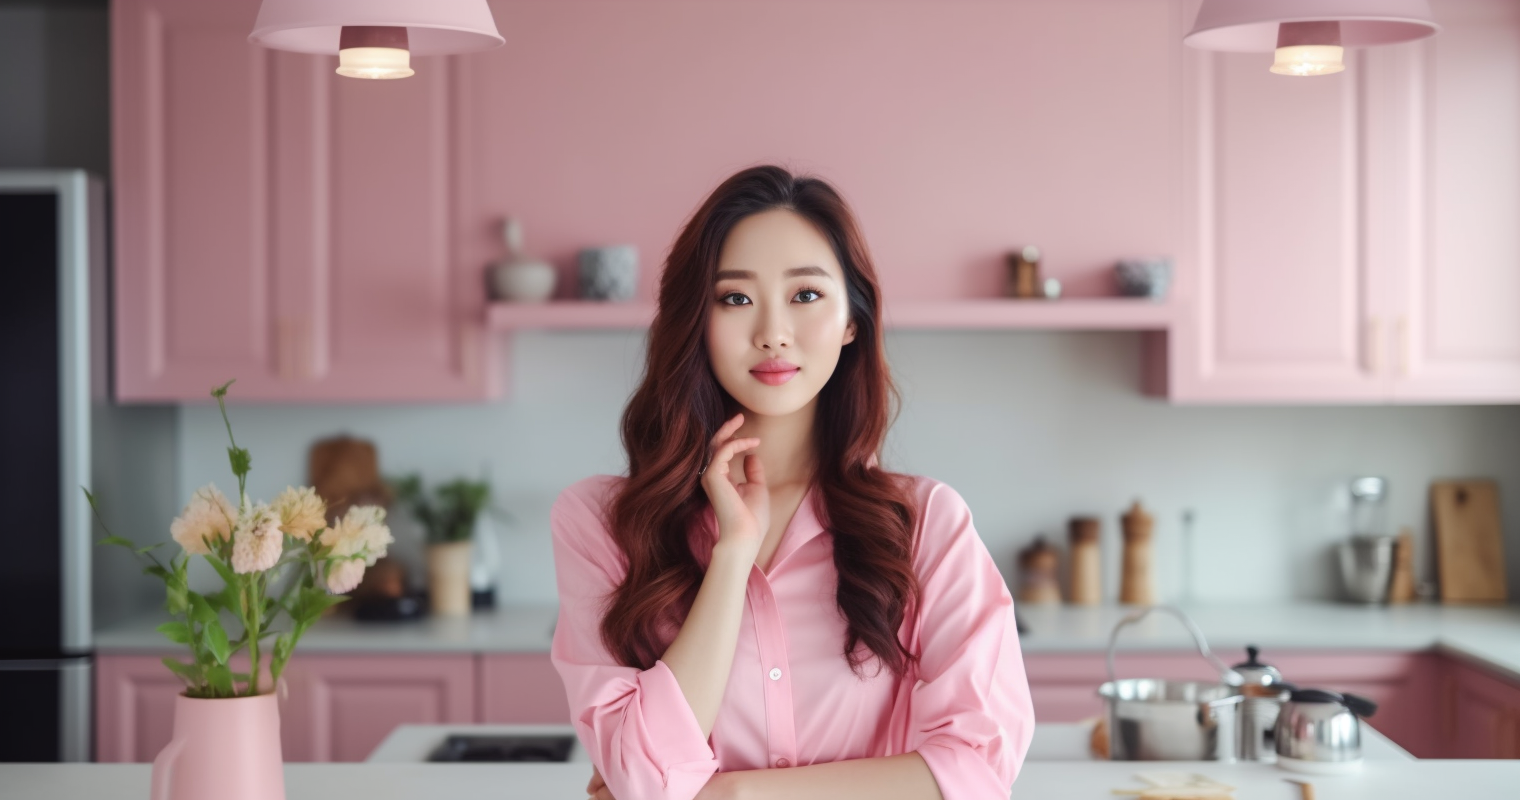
[[774, 331]]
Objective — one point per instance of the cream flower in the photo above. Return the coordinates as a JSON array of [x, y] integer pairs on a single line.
[[343, 576], [257, 540], [208, 517], [361, 533], [302, 512]]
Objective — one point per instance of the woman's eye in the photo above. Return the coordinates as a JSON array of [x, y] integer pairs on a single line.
[[808, 295], [733, 299]]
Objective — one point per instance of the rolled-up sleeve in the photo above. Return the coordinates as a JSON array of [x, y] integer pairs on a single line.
[[971, 718], [636, 724]]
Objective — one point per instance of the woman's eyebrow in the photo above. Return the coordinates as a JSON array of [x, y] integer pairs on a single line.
[[746, 275]]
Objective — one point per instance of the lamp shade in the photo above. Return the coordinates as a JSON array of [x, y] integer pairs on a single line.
[[433, 26], [1251, 26]]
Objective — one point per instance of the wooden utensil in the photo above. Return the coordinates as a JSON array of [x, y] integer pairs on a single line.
[[1469, 541], [1401, 587]]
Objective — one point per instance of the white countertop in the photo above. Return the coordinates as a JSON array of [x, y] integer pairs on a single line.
[[412, 744], [1381, 780], [1487, 636]]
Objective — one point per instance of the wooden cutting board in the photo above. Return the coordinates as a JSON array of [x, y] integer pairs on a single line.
[[1469, 541]]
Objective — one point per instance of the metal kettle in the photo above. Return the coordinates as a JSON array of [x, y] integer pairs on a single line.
[[1320, 732]]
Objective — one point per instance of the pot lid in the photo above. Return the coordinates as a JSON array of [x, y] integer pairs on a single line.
[[1255, 672]]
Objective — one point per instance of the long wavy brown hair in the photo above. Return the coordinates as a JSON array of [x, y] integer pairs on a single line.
[[679, 405]]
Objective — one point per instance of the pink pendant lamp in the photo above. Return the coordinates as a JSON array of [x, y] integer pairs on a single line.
[[1309, 37], [375, 38]]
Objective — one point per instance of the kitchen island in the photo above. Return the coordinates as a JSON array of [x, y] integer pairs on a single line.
[[1388, 780]]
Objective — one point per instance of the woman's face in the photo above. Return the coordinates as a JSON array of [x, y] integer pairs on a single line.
[[780, 313]]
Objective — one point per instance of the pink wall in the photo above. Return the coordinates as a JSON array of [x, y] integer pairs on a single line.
[[956, 132]]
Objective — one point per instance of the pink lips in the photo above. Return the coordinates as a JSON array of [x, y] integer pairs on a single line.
[[774, 372]]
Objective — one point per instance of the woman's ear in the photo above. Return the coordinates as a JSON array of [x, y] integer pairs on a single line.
[[849, 333]]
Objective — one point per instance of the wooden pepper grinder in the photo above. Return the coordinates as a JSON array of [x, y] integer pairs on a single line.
[[1137, 584], [1086, 578], [1037, 573]]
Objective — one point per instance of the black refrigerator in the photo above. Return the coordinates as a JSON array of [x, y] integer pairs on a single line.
[[52, 254]]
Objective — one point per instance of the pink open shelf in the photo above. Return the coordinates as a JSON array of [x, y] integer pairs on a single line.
[[1106, 313]]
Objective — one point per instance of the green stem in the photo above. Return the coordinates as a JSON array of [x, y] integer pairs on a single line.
[[256, 604]]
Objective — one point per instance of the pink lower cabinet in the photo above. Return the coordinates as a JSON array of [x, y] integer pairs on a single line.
[[341, 707], [1480, 714], [521, 688], [1064, 686]]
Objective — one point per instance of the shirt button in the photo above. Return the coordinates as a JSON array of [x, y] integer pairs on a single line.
[[775, 673], [783, 763]]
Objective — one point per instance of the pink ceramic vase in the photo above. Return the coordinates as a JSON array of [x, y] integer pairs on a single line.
[[225, 749]]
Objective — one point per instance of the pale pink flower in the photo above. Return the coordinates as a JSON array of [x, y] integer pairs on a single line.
[[302, 512], [208, 517], [343, 576], [361, 532], [257, 540]]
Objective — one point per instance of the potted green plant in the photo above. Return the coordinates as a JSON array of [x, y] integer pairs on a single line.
[[447, 513], [281, 565]]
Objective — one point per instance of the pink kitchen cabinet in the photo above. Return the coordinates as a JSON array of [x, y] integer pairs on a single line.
[[1351, 238], [134, 707], [281, 226], [1480, 713], [341, 707], [337, 708], [522, 688]]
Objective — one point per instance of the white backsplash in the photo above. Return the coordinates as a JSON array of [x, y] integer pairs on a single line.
[[1029, 427]]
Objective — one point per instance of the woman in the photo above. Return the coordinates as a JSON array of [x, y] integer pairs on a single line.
[[759, 610]]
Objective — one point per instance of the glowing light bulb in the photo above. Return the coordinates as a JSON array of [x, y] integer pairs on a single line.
[[1309, 48], [1309, 59], [374, 52]]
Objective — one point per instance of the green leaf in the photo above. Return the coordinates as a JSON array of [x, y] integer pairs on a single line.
[[220, 678], [221, 391], [241, 461], [119, 542], [176, 631], [231, 599], [189, 672], [216, 639], [156, 570], [142, 551], [200, 610], [223, 570], [178, 597]]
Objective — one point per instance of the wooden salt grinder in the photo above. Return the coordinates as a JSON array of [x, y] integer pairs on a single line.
[[1038, 566], [1086, 577], [1136, 582]]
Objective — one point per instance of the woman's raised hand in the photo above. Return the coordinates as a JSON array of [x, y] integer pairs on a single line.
[[743, 509]]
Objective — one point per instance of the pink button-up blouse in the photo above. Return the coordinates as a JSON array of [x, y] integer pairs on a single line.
[[792, 700]]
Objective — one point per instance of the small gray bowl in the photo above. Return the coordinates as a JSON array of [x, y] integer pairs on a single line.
[[1143, 277]]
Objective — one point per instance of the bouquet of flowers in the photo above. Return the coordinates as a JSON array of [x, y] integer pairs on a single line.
[[279, 558]]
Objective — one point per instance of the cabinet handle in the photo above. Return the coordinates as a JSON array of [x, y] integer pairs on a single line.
[[1401, 346], [1372, 346]]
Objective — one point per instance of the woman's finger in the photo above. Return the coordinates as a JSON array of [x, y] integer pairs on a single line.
[[754, 472], [725, 454], [595, 783], [726, 430]]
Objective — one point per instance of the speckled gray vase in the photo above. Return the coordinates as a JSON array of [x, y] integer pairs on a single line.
[[1143, 277], [609, 273]]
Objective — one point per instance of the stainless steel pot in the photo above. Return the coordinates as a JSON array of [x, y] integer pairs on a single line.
[[1161, 720]]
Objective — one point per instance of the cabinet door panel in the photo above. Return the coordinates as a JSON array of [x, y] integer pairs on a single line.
[[1279, 299], [342, 707], [192, 279], [1461, 340], [522, 688]]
